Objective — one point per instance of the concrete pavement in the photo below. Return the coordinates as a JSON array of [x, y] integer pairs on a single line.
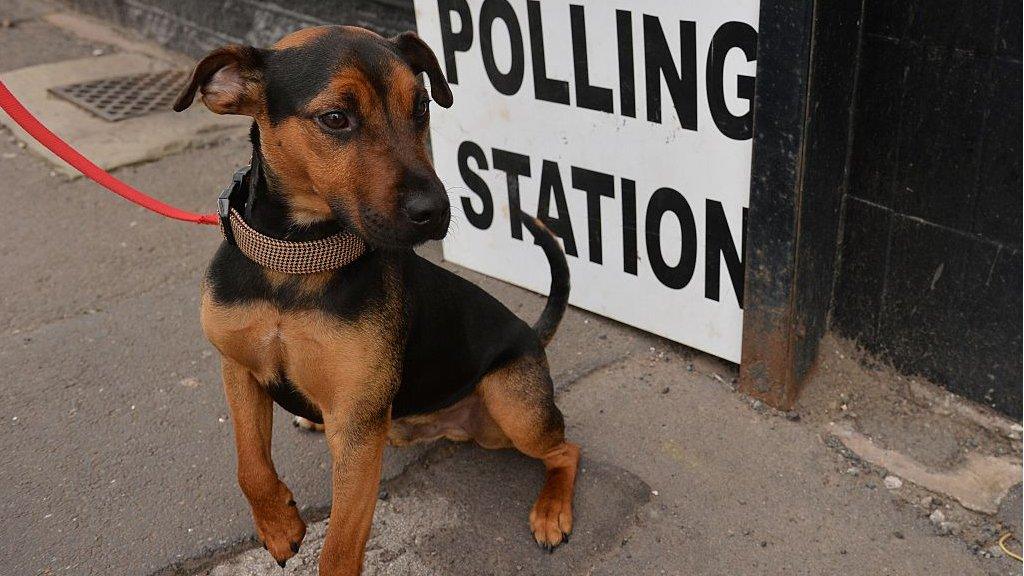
[[118, 457], [689, 479]]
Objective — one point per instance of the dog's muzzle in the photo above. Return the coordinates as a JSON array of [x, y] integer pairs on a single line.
[[429, 213]]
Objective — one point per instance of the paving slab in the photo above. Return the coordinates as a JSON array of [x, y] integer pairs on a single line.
[[979, 483], [467, 514], [743, 491], [109, 144]]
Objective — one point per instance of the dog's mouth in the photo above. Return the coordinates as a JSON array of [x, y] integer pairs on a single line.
[[381, 232]]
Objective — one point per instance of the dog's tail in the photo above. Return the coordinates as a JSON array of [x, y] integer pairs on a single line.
[[558, 295]]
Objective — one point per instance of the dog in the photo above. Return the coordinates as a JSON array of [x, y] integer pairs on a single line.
[[389, 347]]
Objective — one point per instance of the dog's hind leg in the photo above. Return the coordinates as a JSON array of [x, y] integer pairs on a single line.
[[520, 399], [278, 524]]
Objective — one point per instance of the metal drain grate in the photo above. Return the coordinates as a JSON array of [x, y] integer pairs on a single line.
[[124, 97]]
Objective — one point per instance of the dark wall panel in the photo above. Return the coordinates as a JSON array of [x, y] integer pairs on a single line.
[[1008, 43], [872, 170], [998, 214], [945, 103], [948, 312], [929, 273], [967, 25], [863, 254]]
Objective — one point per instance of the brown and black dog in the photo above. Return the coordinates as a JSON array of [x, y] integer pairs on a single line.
[[389, 347]]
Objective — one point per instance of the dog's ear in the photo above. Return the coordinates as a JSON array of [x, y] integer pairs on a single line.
[[229, 79], [421, 58]]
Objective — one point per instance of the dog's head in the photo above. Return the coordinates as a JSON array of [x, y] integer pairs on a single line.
[[343, 126]]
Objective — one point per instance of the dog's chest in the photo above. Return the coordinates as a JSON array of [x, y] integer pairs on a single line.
[[270, 342]]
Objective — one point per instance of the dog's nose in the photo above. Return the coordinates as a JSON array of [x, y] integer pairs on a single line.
[[423, 208]]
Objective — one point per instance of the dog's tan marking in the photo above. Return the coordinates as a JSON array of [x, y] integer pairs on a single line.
[[520, 399], [357, 457], [351, 374], [300, 37], [247, 335], [366, 173], [292, 164], [274, 512], [512, 406], [463, 421], [306, 284]]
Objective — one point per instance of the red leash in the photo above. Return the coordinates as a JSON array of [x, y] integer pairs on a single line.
[[26, 120]]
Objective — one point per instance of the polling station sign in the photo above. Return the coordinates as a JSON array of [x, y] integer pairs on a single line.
[[626, 126]]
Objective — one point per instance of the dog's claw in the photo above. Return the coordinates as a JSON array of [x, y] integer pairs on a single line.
[[550, 547], [291, 502], [264, 544], [282, 563], [295, 547]]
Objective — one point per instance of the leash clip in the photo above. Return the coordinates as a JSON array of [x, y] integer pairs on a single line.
[[224, 203]]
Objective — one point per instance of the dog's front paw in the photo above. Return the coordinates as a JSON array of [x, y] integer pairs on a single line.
[[551, 522], [279, 527]]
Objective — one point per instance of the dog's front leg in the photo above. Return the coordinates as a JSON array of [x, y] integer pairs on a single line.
[[356, 439], [278, 524]]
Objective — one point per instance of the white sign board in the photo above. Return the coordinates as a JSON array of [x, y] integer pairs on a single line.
[[625, 125]]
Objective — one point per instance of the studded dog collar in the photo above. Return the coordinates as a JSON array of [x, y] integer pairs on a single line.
[[285, 256]]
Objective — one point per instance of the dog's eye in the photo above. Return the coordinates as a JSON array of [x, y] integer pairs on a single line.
[[335, 120], [422, 108]]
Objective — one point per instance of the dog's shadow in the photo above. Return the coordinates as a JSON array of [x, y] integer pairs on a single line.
[[465, 510]]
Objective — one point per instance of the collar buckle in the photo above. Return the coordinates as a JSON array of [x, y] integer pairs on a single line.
[[224, 203]]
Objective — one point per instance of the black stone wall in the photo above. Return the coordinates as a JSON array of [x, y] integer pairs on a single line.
[[197, 26], [929, 266]]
